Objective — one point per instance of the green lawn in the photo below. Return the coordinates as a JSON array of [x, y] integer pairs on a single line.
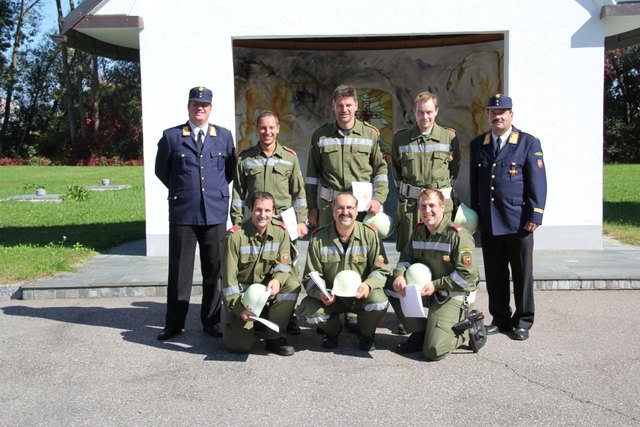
[[622, 203], [40, 239]]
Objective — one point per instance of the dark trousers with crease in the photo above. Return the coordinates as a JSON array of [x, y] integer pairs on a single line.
[[500, 253], [182, 249]]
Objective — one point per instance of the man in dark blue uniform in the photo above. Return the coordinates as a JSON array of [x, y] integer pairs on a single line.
[[195, 161], [509, 191]]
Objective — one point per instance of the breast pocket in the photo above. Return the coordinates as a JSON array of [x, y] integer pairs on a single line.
[[181, 160], [361, 155], [281, 173], [217, 159]]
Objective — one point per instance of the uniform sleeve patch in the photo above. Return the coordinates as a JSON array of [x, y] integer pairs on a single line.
[[538, 210], [540, 164], [234, 229], [457, 227], [466, 260], [284, 258], [380, 260]]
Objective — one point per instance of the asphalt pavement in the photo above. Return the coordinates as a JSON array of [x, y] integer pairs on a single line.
[[97, 362]]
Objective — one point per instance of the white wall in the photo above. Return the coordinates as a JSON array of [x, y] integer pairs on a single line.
[[553, 71]]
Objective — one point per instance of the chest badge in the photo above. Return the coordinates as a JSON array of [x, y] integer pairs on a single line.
[[513, 171]]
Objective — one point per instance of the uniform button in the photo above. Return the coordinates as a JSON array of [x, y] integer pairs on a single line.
[[201, 156], [203, 189], [201, 167], [494, 165], [493, 177], [492, 188], [492, 199], [202, 178], [175, 197]]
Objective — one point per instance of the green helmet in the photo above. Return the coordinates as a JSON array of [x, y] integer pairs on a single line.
[[346, 283], [381, 222], [467, 218], [417, 274], [255, 297]]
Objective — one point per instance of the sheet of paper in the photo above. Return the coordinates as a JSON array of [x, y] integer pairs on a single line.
[[411, 304], [290, 222], [320, 283], [363, 192], [269, 324]]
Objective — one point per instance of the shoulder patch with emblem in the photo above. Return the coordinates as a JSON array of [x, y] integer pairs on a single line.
[[291, 150], [233, 229], [467, 256], [380, 260], [284, 258], [456, 227], [186, 131]]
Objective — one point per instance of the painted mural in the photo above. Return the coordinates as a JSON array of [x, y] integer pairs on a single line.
[[298, 86]]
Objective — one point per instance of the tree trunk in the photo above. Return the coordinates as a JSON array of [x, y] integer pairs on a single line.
[[95, 87], [68, 95]]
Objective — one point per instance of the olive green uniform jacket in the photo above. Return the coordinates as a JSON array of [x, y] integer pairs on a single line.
[[279, 175], [336, 160], [424, 162]]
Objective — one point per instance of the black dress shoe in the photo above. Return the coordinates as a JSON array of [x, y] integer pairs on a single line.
[[168, 334], [330, 342], [520, 334], [280, 346], [494, 329], [214, 330], [413, 344]]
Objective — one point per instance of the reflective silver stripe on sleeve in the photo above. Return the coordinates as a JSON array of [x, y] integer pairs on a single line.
[[310, 180], [309, 285], [281, 267], [299, 203], [376, 275], [237, 202], [391, 294], [292, 296], [403, 264], [378, 306], [379, 178], [420, 148], [317, 320], [431, 246], [459, 280], [231, 290]]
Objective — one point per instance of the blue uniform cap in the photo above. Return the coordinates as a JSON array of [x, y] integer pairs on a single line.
[[200, 94], [499, 102]]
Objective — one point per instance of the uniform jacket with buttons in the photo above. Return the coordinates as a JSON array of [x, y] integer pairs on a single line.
[[510, 189], [279, 174], [420, 162], [336, 160], [198, 180], [327, 256], [449, 252], [249, 257]]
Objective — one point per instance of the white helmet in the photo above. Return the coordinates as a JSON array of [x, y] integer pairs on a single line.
[[255, 298], [467, 218], [417, 274], [381, 222], [346, 283]]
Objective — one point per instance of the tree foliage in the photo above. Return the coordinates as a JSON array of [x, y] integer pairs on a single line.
[[65, 106], [622, 105]]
